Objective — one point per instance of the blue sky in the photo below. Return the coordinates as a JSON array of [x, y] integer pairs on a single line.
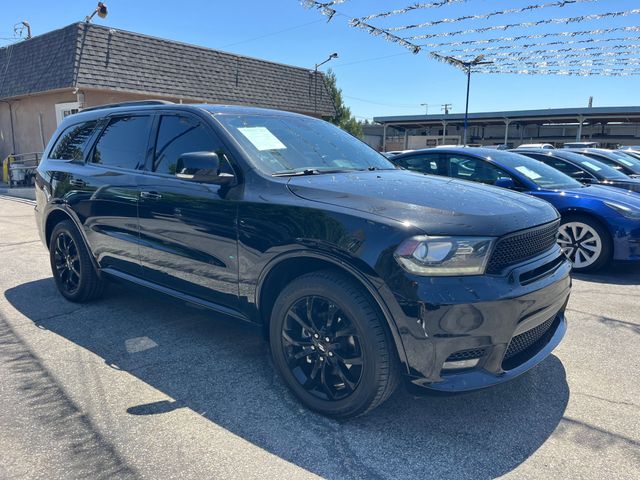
[[396, 84]]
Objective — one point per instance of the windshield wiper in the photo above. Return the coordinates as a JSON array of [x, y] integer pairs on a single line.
[[309, 171]]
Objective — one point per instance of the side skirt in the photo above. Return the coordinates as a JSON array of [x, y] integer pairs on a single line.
[[178, 295]]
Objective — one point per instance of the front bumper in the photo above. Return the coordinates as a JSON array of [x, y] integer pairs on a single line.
[[477, 317]]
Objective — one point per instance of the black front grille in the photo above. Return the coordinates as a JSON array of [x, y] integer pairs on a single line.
[[521, 342], [466, 354], [521, 246]]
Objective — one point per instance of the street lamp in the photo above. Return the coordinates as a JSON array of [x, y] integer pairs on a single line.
[[101, 10], [466, 66], [315, 85]]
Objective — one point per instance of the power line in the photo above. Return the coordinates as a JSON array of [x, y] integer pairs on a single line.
[[371, 59], [271, 34], [379, 103]]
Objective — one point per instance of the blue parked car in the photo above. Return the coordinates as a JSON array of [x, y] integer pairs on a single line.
[[624, 162], [584, 169], [599, 224]]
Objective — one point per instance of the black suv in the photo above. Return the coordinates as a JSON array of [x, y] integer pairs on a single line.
[[359, 273]]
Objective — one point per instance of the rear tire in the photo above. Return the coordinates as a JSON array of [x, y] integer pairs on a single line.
[[332, 346], [585, 242], [71, 265]]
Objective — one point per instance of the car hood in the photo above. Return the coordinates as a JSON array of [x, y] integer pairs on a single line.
[[436, 205]]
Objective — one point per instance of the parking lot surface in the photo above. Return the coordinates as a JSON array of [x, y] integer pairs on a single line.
[[139, 386]]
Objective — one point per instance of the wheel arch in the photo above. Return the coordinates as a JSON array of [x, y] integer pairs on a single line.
[[586, 213], [284, 269], [57, 215]]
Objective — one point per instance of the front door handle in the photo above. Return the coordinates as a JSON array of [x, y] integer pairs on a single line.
[[77, 183], [150, 195]]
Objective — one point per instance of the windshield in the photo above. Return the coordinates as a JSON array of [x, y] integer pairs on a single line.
[[535, 171], [287, 144], [599, 169]]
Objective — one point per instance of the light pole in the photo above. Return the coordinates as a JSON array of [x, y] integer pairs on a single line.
[[466, 66], [426, 108], [315, 81]]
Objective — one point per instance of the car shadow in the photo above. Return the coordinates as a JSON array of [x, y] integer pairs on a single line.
[[223, 371], [614, 274]]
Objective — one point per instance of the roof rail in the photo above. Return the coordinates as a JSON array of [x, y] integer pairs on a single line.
[[139, 103]]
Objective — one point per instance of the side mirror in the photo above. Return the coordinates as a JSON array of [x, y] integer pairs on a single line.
[[203, 167], [505, 182], [586, 180]]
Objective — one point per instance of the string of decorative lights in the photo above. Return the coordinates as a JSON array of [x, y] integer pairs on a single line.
[[537, 23], [600, 31], [484, 16], [538, 44], [509, 54]]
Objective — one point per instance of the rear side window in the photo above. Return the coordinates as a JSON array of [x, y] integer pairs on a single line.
[[71, 143], [422, 164], [179, 134], [123, 143], [475, 170]]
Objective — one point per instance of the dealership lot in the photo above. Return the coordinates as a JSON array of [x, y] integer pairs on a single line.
[[135, 385]]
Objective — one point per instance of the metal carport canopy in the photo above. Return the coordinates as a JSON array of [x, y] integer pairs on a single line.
[[556, 115]]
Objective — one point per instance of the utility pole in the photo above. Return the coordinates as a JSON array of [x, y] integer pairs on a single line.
[[446, 107], [426, 108]]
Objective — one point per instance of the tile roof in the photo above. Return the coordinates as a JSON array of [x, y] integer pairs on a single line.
[[92, 56]]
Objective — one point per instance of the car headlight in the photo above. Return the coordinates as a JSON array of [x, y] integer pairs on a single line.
[[426, 255], [624, 210]]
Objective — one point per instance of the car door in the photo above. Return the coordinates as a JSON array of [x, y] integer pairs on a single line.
[[188, 229], [104, 191]]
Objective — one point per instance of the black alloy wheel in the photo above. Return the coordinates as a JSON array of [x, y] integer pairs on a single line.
[[71, 265], [322, 348], [332, 346], [66, 263]]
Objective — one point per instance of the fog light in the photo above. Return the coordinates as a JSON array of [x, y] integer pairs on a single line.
[[460, 364]]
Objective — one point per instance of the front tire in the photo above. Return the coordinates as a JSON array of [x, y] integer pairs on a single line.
[[73, 271], [585, 242], [331, 345]]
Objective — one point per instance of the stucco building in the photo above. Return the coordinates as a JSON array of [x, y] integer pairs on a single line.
[[50, 76]]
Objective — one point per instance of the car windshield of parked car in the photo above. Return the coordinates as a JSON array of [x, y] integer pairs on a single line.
[[535, 171], [287, 144], [626, 159], [591, 165]]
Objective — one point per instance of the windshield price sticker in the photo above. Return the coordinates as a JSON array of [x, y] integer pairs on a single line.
[[626, 162], [592, 166], [528, 172], [262, 138]]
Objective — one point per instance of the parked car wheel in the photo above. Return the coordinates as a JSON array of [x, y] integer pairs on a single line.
[[73, 272], [585, 242], [331, 345]]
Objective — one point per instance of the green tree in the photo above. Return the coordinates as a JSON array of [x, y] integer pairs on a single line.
[[343, 117]]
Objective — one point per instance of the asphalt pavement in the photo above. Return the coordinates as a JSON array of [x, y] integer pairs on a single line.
[[139, 386]]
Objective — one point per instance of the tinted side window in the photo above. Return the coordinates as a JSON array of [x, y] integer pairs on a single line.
[[422, 164], [70, 144], [179, 134], [475, 170], [569, 169], [123, 143], [607, 161]]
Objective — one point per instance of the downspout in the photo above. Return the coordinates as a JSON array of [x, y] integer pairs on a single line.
[[13, 137]]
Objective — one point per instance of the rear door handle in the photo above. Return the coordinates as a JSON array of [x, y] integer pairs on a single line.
[[150, 195], [77, 183]]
